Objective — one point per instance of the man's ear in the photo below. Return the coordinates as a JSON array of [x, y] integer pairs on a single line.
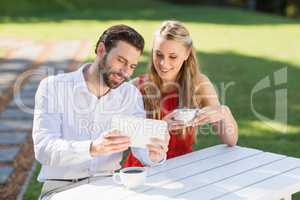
[[101, 50]]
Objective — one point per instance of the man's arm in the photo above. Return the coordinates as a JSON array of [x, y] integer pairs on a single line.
[[49, 146]]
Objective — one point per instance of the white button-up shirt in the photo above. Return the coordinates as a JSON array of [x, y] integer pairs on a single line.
[[68, 117]]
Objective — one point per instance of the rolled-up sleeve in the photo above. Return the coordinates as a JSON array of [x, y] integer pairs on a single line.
[[49, 146]]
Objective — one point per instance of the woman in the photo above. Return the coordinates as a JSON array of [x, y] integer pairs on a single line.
[[174, 81]]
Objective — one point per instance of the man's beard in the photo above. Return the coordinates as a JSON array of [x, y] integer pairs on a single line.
[[106, 72]]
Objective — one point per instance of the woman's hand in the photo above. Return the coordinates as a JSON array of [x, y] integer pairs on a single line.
[[222, 120], [210, 114], [174, 124]]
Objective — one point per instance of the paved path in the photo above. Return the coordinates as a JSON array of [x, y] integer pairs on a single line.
[[28, 62]]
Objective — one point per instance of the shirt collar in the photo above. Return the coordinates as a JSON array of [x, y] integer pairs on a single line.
[[79, 79]]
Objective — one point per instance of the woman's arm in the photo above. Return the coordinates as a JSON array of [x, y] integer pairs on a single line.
[[214, 113]]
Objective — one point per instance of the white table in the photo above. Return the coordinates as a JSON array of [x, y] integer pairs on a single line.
[[218, 172]]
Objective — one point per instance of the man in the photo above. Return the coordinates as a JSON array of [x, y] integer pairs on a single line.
[[71, 129]]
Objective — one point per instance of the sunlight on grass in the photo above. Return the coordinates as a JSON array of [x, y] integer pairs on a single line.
[[270, 125], [207, 37], [240, 31]]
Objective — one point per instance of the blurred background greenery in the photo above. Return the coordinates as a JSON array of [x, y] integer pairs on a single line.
[[237, 41], [289, 8]]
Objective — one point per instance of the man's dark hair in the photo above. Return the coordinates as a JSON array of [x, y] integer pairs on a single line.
[[121, 32]]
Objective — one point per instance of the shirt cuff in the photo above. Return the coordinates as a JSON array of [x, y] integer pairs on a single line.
[[83, 149], [142, 154]]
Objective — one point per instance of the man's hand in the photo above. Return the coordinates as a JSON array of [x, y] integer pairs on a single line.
[[158, 148], [112, 142]]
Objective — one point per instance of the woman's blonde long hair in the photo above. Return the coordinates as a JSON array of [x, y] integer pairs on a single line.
[[186, 79]]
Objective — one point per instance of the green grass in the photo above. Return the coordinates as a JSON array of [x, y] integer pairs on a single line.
[[233, 46], [34, 187]]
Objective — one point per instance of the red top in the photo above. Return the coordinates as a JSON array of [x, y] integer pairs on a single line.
[[178, 144]]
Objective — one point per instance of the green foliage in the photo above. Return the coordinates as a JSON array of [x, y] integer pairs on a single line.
[[20, 7], [289, 8]]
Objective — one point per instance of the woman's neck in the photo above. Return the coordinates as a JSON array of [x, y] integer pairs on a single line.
[[170, 86]]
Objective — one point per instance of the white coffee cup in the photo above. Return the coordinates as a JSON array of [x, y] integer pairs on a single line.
[[131, 177], [185, 114]]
